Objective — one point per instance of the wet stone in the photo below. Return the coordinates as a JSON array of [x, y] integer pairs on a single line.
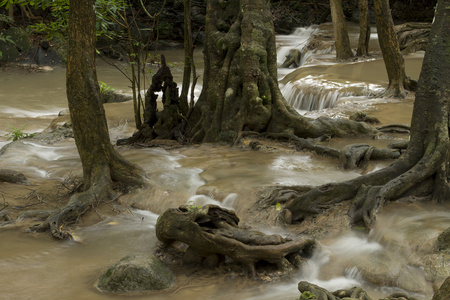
[[137, 274]]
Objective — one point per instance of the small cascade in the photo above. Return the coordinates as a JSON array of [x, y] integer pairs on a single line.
[[296, 40], [316, 93]]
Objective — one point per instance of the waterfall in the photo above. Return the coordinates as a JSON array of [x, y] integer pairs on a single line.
[[296, 40], [316, 93]]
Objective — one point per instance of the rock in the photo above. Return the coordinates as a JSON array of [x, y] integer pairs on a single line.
[[443, 241], [364, 117], [444, 291], [17, 43], [60, 132], [12, 176], [314, 292], [292, 59], [137, 273], [113, 97], [382, 269]]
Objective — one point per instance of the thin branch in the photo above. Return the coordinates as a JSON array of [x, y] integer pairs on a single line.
[[5, 204], [155, 15]]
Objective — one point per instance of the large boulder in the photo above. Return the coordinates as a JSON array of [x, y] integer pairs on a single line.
[[136, 274], [15, 44]]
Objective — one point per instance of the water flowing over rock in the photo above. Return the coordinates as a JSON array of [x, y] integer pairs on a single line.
[[136, 273], [315, 92]]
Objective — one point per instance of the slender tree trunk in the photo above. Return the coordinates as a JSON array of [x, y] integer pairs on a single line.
[[188, 58], [101, 162], [343, 49], [364, 28], [393, 58], [423, 170], [11, 12]]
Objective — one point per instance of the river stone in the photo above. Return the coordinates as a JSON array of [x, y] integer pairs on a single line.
[[444, 291], [136, 274], [12, 176], [383, 269], [443, 240]]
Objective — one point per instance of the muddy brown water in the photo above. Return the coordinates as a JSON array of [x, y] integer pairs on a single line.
[[34, 266]]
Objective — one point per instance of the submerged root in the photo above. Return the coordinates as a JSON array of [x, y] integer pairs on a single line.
[[369, 193], [77, 206]]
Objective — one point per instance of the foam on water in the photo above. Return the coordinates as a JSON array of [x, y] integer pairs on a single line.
[[228, 202]]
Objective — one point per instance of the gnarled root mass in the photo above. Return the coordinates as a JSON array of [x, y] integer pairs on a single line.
[[98, 187], [369, 193], [214, 231]]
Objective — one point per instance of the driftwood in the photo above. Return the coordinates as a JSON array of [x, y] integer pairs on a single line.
[[292, 59], [212, 230], [358, 155]]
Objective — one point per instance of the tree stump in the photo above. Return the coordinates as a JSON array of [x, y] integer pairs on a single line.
[[212, 230]]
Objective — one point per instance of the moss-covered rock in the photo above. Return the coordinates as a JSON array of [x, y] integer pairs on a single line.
[[15, 44], [135, 274], [443, 241], [444, 291]]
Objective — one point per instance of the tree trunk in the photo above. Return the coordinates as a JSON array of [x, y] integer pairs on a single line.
[[393, 58], [101, 163], [364, 28], [423, 169], [11, 13], [343, 49], [188, 58], [240, 88]]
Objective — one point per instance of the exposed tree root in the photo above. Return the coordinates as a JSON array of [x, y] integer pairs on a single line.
[[121, 171], [369, 193], [212, 232], [350, 157]]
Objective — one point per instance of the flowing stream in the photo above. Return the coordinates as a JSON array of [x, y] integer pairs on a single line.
[[34, 266]]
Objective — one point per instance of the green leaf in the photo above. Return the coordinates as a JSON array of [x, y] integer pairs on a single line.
[[278, 206]]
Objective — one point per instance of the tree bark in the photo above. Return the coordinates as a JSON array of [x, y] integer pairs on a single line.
[[102, 164], [188, 58], [422, 170], [393, 58], [343, 49], [364, 28], [240, 87]]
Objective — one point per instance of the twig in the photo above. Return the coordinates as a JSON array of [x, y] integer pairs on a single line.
[[93, 207], [5, 204]]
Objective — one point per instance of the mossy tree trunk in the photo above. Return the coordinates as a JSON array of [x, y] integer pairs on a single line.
[[240, 87], [393, 58], [342, 41], [102, 164], [423, 169], [364, 28]]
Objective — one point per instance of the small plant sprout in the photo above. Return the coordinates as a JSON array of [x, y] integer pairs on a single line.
[[193, 207], [17, 133], [104, 88]]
